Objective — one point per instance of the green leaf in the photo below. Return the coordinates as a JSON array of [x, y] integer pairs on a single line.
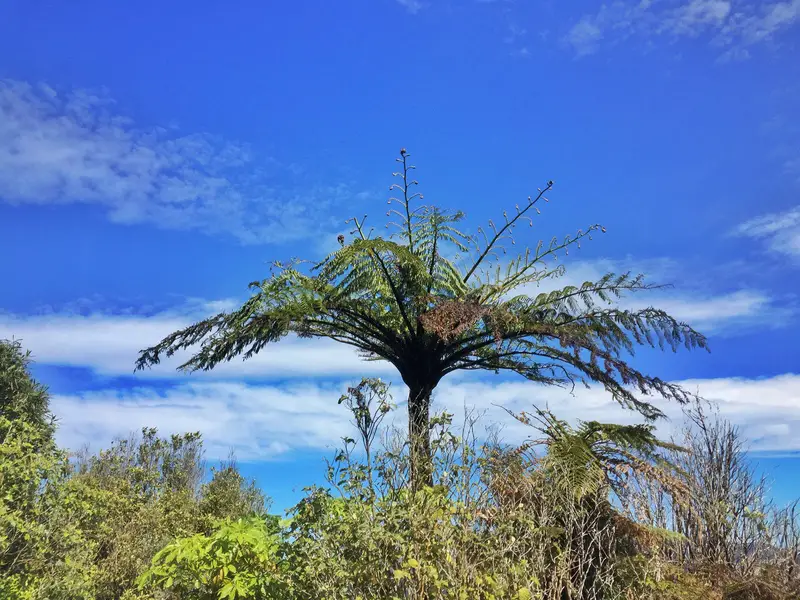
[[226, 591], [400, 574]]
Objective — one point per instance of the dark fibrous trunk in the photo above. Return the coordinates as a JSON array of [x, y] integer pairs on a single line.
[[419, 403]]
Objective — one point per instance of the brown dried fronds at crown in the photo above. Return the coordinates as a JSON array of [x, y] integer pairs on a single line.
[[451, 318]]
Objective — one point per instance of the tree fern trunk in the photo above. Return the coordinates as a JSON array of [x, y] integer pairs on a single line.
[[419, 436]]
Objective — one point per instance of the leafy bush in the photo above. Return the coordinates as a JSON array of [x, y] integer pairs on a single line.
[[238, 559]]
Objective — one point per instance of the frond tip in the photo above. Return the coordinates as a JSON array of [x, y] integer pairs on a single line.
[[222, 337]]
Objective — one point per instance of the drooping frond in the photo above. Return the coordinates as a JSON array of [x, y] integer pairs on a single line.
[[565, 337], [244, 331], [594, 455]]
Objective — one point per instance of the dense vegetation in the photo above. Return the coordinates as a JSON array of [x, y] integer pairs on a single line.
[[592, 511]]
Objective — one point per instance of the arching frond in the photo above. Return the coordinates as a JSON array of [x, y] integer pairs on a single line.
[[594, 455]]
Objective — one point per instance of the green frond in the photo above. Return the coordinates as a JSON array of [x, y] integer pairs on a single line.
[[594, 455], [245, 331]]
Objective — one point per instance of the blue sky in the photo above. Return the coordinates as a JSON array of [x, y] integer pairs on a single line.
[[153, 161]]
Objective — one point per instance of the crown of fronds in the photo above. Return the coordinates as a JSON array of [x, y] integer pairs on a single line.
[[431, 300]]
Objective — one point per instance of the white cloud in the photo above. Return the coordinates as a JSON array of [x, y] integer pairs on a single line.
[[781, 231], [766, 410], [258, 422], [109, 344], [711, 312], [65, 148], [261, 422], [732, 26]]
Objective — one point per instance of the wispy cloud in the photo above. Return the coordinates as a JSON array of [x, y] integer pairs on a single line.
[[258, 422], [716, 314], [767, 410], [585, 35], [516, 38], [711, 311], [733, 27], [758, 22], [412, 6], [65, 148], [696, 17], [780, 231], [264, 421], [108, 344]]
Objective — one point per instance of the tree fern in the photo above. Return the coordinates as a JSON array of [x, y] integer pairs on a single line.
[[431, 300]]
